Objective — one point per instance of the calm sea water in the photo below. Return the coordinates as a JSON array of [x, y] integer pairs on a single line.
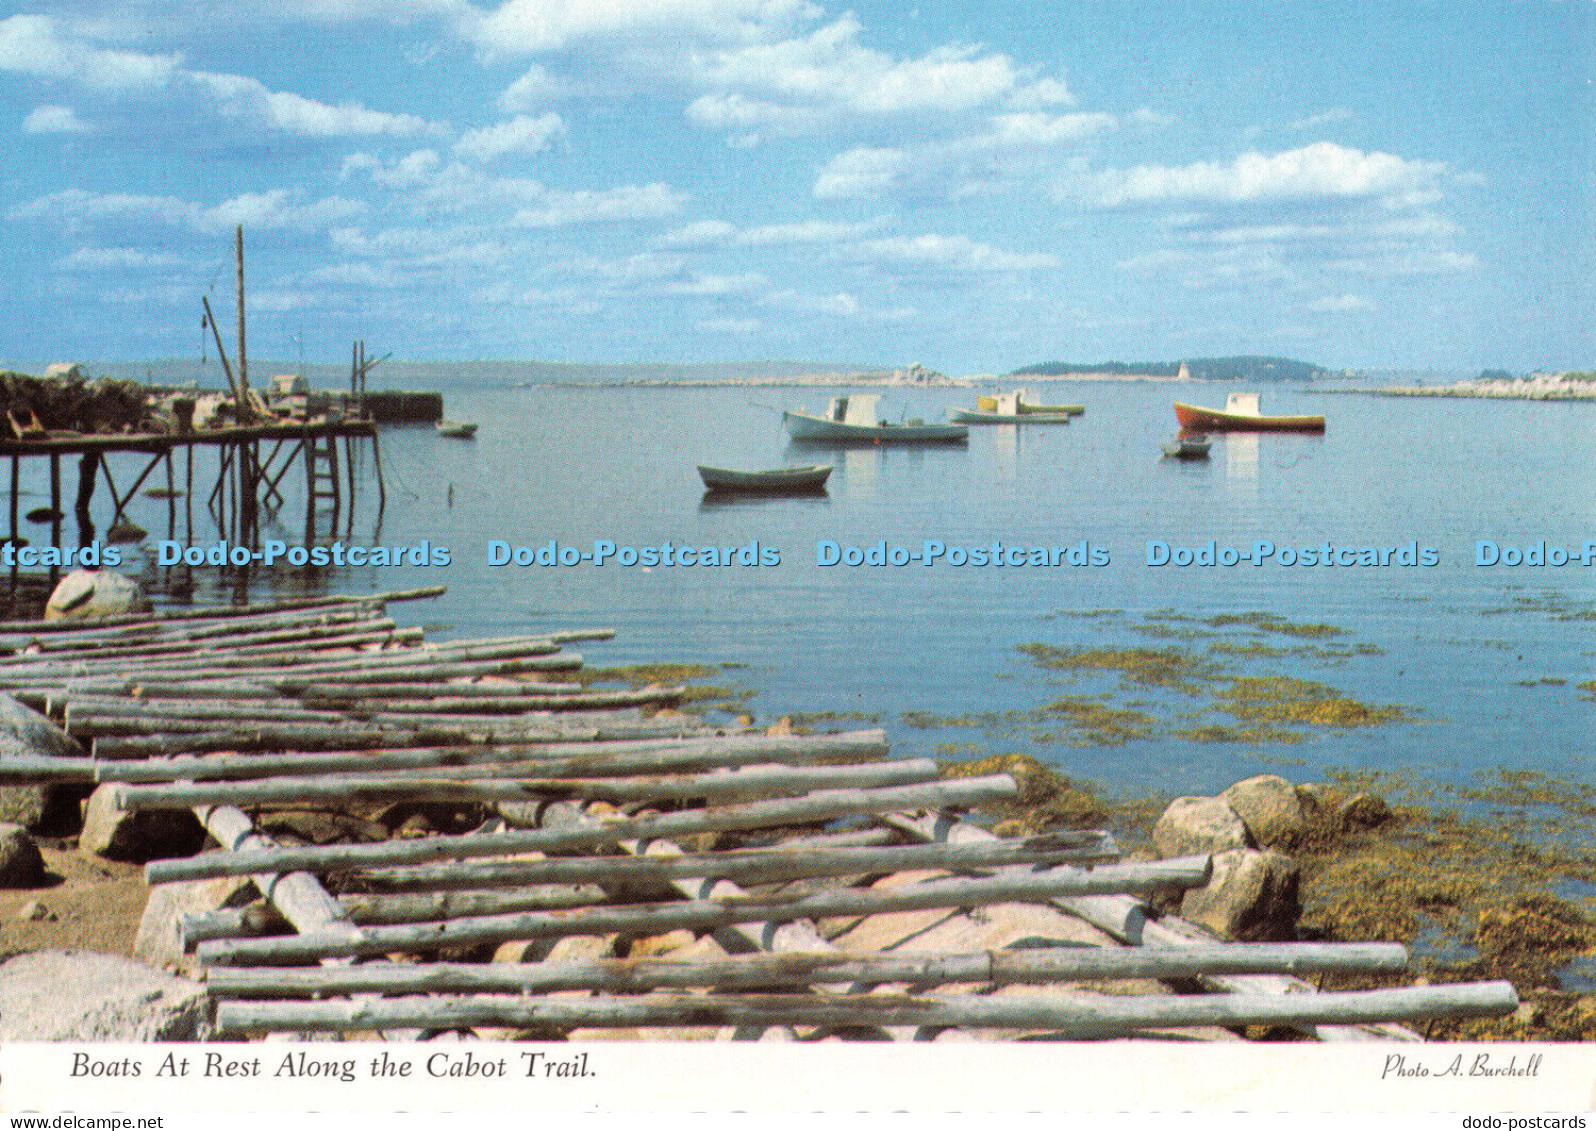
[[1484, 663]]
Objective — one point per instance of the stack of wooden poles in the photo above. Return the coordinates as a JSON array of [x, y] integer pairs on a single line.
[[609, 813]]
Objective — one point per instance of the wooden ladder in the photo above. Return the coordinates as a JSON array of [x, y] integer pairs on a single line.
[[322, 479]]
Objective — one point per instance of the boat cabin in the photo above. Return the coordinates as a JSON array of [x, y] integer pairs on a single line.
[[1243, 404], [859, 408]]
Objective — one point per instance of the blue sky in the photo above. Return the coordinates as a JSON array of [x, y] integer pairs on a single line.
[[974, 186]]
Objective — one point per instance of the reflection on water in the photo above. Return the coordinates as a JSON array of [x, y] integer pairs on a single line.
[[1241, 459]]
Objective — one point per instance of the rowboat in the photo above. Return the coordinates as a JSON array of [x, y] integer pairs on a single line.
[[1241, 414], [458, 429], [852, 420], [1010, 408], [1187, 447], [776, 481]]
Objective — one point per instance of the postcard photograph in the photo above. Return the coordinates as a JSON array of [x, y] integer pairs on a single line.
[[786, 556]]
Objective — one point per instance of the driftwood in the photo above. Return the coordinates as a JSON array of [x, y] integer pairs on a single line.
[[748, 865], [823, 805], [1074, 1017], [749, 972], [702, 915], [745, 784], [551, 759], [375, 910]]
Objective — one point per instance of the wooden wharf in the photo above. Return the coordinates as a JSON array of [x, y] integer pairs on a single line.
[[251, 465], [622, 867]]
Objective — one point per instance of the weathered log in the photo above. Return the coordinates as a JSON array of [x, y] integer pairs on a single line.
[[334, 630], [550, 760], [819, 806], [749, 865], [702, 915], [299, 896], [498, 704], [745, 784], [756, 971], [27, 769], [1074, 1017], [369, 910], [345, 737], [432, 689]]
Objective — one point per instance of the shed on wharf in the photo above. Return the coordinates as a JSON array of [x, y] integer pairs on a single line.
[[458, 836]]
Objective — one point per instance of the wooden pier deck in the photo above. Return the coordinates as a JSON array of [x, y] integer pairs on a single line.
[[553, 861]]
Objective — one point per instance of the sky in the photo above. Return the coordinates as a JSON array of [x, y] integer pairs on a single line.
[[969, 185]]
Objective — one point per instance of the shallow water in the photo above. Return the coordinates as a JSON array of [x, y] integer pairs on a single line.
[[1483, 663]]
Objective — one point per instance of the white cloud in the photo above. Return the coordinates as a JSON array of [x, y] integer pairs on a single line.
[[533, 90], [718, 233], [36, 45], [424, 181], [250, 102], [590, 206], [78, 210], [1322, 169], [1314, 121], [54, 120], [1011, 149], [954, 253], [520, 27], [861, 172], [48, 49], [1340, 304], [520, 135]]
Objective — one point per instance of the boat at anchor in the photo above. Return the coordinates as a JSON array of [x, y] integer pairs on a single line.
[[1241, 414], [852, 420]]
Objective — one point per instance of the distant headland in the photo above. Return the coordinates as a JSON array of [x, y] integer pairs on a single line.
[[1240, 368]]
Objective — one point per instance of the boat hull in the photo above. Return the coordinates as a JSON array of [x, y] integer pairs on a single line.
[[456, 430], [1029, 416], [818, 430], [777, 481], [1052, 409], [1200, 419]]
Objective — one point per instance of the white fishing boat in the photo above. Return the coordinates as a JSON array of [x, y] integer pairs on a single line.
[[852, 420], [456, 429]]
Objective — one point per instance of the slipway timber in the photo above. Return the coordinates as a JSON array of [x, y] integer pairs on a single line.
[[520, 854]]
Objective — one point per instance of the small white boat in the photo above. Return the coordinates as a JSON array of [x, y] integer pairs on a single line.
[[1011, 408], [852, 420], [457, 429], [776, 481]]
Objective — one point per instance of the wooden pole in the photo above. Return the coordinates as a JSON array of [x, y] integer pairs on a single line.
[[550, 760], [246, 411], [820, 806], [745, 865], [1072, 1017], [719, 787], [755, 971], [708, 914]]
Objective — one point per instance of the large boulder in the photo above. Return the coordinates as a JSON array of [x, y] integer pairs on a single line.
[[25, 733], [89, 594], [159, 941], [1271, 809], [67, 995], [21, 863], [137, 835], [1198, 826], [1251, 897]]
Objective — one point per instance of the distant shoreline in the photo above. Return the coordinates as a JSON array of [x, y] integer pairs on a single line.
[[1533, 389]]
